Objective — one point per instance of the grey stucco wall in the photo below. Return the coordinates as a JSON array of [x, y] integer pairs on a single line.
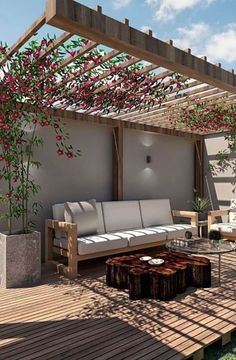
[[170, 173], [89, 176], [219, 184]]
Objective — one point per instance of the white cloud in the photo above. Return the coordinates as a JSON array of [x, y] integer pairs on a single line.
[[222, 45], [117, 4], [203, 40], [167, 9], [192, 37]]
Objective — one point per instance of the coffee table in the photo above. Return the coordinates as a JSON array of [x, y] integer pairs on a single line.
[[174, 275], [203, 246]]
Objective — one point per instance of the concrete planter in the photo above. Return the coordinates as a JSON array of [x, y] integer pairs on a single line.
[[20, 260]]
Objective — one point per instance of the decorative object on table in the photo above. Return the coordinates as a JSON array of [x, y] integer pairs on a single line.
[[188, 234], [145, 258], [215, 235], [201, 206], [156, 262]]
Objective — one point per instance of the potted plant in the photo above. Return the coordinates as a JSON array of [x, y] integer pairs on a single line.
[[201, 206], [28, 88]]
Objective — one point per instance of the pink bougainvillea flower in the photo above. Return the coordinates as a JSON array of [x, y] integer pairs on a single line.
[[69, 154], [60, 152], [6, 146]]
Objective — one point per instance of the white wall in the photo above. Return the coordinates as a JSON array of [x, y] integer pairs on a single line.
[[222, 183], [170, 173], [89, 176]]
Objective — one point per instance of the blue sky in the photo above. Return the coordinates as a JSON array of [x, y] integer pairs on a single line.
[[208, 27]]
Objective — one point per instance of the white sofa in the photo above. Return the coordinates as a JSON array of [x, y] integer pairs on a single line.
[[121, 226], [228, 227]]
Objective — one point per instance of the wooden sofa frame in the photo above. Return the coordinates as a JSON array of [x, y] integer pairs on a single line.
[[71, 270], [211, 220]]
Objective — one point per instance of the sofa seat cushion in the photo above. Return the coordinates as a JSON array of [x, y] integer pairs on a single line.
[[144, 236], [121, 215], [229, 228], [156, 212], [178, 230], [95, 243]]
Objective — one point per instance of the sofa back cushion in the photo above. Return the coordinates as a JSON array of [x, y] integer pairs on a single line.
[[232, 213], [121, 215], [101, 228], [58, 212], [156, 212], [84, 214]]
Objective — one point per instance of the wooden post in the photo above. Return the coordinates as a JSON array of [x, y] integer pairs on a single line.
[[199, 167], [118, 163]]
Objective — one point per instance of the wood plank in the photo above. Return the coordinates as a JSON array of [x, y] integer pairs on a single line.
[[199, 168], [112, 122], [117, 163], [85, 319], [56, 43], [79, 19]]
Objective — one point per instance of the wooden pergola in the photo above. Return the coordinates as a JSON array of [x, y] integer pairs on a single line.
[[201, 79]]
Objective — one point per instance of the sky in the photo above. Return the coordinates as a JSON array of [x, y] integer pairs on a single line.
[[208, 27]]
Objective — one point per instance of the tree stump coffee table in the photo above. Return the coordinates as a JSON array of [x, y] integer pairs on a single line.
[[162, 282]]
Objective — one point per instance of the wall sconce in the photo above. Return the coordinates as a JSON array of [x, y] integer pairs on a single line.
[[148, 159]]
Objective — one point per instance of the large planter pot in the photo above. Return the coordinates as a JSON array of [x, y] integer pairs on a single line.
[[20, 260]]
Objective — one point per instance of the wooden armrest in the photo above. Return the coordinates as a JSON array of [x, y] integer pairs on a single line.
[[193, 215], [69, 228], [60, 225], [213, 214]]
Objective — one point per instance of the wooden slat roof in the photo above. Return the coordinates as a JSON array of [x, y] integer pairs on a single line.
[[201, 79]]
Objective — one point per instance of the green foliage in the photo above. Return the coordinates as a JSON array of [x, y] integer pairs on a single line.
[[200, 205]]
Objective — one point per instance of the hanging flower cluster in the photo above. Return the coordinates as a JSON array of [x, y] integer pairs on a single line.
[[27, 91], [34, 80], [210, 118]]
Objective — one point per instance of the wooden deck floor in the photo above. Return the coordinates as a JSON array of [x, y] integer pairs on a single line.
[[85, 320]]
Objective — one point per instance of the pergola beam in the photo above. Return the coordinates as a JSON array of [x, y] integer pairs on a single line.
[[109, 122], [79, 19], [171, 105], [91, 66], [165, 118], [58, 42], [83, 50]]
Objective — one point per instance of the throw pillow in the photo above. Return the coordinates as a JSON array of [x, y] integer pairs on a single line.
[[84, 214]]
